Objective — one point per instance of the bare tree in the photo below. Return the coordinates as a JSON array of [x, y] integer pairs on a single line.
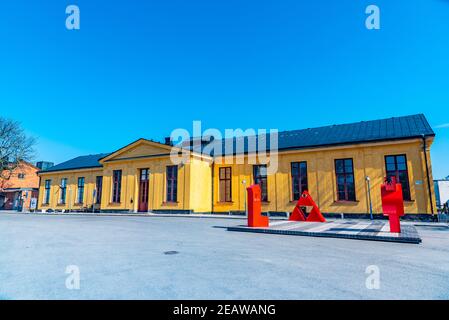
[[15, 147]]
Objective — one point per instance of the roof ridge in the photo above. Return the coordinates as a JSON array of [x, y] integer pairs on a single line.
[[353, 123]]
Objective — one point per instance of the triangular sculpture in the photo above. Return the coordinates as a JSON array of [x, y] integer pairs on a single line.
[[315, 214]]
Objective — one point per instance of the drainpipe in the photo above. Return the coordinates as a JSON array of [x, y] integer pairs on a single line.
[[244, 197], [369, 198], [427, 173], [212, 186], [38, 193]]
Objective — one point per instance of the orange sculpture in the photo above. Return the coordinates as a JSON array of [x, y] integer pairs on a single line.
[[392, 203], [255, 218], [315, 214]]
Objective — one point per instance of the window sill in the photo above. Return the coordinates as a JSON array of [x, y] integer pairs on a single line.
[[225, 202], [114, 203], [346, 203], [61, 204], [78, 204], [170, 203], [265, 202]]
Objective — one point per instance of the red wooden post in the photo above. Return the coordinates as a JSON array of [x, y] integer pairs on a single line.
[[392, 203], [255, 218]]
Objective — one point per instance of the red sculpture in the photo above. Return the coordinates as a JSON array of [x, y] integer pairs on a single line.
[[255, 218], [392, 203], [306, 201]]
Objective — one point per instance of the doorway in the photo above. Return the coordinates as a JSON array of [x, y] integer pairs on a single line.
[[143, 190]]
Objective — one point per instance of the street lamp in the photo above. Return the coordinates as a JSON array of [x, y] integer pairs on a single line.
[[70, 199], [369, 198]]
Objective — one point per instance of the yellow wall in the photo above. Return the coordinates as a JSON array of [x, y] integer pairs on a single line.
[[200, 189], [71, 191], [130, 185], [368, 160], [195, 185]]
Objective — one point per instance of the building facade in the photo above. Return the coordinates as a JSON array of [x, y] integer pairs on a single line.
[[19, 187], [44, 165], [331, 162], [442, 192]]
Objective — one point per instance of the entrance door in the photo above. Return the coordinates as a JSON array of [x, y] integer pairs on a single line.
[[143, 190]]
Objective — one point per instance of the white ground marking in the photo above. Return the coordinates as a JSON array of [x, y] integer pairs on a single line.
[[277, 223], [385, 231], [323, 226], [385, 228], [357, 225], [296, 225]]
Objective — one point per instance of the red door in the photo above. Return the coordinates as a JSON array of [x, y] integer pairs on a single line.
[[143, 190]]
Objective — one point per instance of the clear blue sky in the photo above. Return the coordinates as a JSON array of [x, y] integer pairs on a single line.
[[142, 68]]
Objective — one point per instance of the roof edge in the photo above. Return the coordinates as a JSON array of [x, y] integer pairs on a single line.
[[70, 169]]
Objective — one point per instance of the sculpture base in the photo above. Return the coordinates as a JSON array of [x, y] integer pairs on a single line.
[[365, 230]]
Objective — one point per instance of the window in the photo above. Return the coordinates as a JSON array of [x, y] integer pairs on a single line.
[[62, 191], [172, 183], [344, 170], [144, 174], [116, 185], [21, 176], [260, 178], [397, 167], [80, 198], [225, 184], [47, 192], [98, 188], [299, 179]]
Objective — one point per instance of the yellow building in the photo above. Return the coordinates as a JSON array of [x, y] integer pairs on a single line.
[[333, 163]]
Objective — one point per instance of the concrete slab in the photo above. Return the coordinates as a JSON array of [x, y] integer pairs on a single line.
[[364, 230]]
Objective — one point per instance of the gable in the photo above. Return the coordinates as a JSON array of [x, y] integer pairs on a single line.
[[139, 148], [142, 150]]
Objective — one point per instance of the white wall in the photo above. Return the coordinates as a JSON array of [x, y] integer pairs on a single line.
[[443, 186]]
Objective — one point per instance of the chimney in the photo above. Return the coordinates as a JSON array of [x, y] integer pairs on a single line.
[[168, 141]]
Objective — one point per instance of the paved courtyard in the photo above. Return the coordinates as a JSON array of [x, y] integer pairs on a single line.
[[126, 258]]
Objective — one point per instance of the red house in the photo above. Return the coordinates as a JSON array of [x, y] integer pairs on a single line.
[[18, 187]]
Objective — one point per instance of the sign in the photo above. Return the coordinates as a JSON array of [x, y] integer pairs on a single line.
[[33, 203]]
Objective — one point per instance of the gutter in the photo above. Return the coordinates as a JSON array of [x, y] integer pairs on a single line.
[[70, 169]]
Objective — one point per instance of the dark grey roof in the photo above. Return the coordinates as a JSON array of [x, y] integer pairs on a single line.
[[82, 162], [397, 128]]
